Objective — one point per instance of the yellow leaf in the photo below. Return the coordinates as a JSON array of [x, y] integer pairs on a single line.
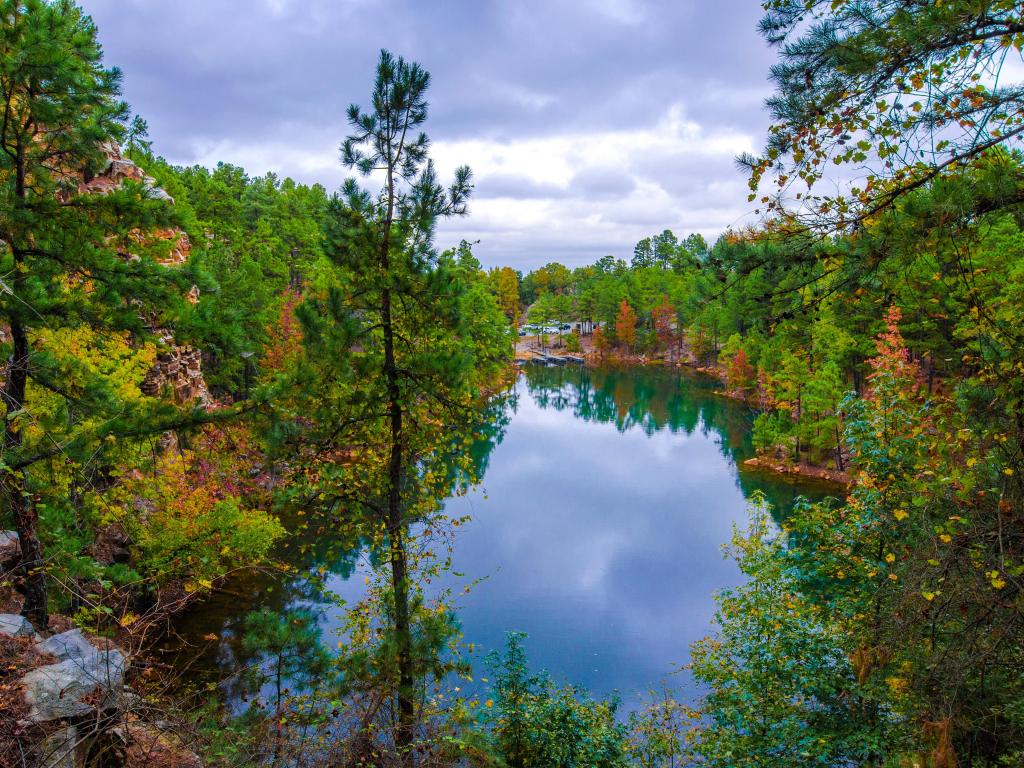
[[929, 596], [900, 514]]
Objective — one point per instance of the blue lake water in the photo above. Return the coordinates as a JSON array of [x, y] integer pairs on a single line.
[[597, 530]]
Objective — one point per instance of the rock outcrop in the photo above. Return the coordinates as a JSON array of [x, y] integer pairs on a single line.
[[178, 371], [77, 706], [60, 748], [85, 680], [13, 625], [10, 549]]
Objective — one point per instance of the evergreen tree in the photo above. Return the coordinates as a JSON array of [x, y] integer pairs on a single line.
[[395, 358], [911, 90], [73, 261], [643, 254]]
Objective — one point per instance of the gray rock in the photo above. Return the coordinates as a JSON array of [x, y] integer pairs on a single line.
[[156, 193], [68, 645], [58, 750], [10, 547], [14, 625], [75, 687]]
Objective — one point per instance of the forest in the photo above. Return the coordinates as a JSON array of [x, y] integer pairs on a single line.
[[204, 368]]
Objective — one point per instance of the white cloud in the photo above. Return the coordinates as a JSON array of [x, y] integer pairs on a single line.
[[628, 12], [529, 231], [571, 196]]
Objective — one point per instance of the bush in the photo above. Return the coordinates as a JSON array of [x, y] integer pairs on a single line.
[[535, 723], [771, 431]]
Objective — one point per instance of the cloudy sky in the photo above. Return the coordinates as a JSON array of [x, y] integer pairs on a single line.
[[588, 123]]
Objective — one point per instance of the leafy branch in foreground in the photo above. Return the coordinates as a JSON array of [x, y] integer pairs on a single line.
[[897, 92]]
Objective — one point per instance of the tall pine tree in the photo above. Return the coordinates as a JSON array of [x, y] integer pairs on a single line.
[[394, 355], [74, 264]]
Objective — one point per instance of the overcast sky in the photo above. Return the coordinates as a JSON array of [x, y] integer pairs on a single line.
[[588, 123]]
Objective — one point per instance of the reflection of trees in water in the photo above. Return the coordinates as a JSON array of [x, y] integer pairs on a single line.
[[316, 549], [650, 399], [653, 400], [646, 399]]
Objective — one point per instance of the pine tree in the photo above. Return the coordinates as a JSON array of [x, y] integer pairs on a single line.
[[910, 91], [395, 360], [72, 262]]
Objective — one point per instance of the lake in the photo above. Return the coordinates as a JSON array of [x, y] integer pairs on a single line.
[[597, 530]]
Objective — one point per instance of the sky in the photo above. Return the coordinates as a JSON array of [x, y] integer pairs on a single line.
[[588, 124]]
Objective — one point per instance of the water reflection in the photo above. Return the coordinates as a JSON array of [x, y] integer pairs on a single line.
[[606, 507], [598, 528]]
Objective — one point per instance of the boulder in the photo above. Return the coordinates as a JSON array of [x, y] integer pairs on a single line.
[[76, 687], [13, 625], [67, 645], [157, 193], [59, 749], [10, 548]]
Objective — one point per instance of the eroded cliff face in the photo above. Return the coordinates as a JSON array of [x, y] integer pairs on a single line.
[[177, 372], [119, 170]]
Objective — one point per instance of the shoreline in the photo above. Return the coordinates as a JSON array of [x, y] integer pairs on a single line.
[[841, 479]]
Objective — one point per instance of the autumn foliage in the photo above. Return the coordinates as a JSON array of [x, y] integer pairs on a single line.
[[601, 342], [663, 316], [284, 344], [739, 372], [625, 325]]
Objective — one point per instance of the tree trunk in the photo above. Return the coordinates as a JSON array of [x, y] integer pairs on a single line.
[[21, 504], [840, 465], [395, 528], [395, 522]]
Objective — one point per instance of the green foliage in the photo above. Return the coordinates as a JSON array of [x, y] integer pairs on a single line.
[[78, 266], [659, 732], [771, 431], [908, 92], [399, 345], [900, 593], [206, 545], [252, 239], [572, 342], [535, 723], [782, 686], [290, 649]]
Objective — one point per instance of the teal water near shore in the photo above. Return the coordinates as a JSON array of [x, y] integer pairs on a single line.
[[597, 530]]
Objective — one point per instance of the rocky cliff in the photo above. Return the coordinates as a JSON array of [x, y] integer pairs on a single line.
[[177, 371]]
